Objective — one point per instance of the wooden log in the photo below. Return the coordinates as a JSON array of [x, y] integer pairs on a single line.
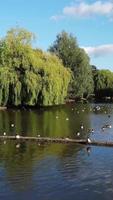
[[58, 140], [3, 108]]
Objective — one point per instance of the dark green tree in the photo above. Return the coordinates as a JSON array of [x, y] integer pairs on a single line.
[[103, 81], [67, 49]]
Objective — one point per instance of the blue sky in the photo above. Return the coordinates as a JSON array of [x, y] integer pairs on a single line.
[[90, 21]]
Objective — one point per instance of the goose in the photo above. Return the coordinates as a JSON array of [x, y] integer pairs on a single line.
[[106, 126], [88, 149], [92, 130]]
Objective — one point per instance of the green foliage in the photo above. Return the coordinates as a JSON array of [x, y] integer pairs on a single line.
[[28, 76], [103, 80], [83, 75], [67, 49]]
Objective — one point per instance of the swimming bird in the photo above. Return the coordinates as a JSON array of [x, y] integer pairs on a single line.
[[67, 119], [78, 134], [12, 125], [38, 135], [88, 149], [106, 126], [82, 127], [92, 130], [18, 146], [4, 133]]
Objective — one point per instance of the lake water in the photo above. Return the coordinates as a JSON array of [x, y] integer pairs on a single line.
[[31, 170]]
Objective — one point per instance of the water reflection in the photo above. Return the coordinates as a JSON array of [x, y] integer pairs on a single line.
[[56, 171], [49, 122]]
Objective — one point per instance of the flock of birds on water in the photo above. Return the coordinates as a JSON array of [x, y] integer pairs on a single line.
[[78, 134]]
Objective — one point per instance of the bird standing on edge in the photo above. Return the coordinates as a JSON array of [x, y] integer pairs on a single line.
[[89, 141]]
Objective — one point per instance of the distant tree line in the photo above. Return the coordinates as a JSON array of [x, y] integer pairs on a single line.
[[103, 83], [29, 76]]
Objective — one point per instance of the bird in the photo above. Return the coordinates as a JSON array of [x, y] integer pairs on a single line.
[[78, 134], [88, 140], [4, 133], [17, 136], [106, 126], [97, 107], [12, 125], [92, 130], [18, 146], [38, 135], [88, 149], [82, 127], [67, 119], [56, 117], [66, 138]]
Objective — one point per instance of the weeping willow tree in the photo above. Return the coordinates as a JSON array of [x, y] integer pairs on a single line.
[[30, 76]]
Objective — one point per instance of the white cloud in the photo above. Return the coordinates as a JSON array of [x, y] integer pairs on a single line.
[[99, 51], [86, 10], [57, 17]]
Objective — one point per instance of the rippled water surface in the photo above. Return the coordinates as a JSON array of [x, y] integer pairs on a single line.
[[31, 170]]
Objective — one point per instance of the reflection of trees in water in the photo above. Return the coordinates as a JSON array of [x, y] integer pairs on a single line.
[[72, 161], [49, 122], [20, 163]]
